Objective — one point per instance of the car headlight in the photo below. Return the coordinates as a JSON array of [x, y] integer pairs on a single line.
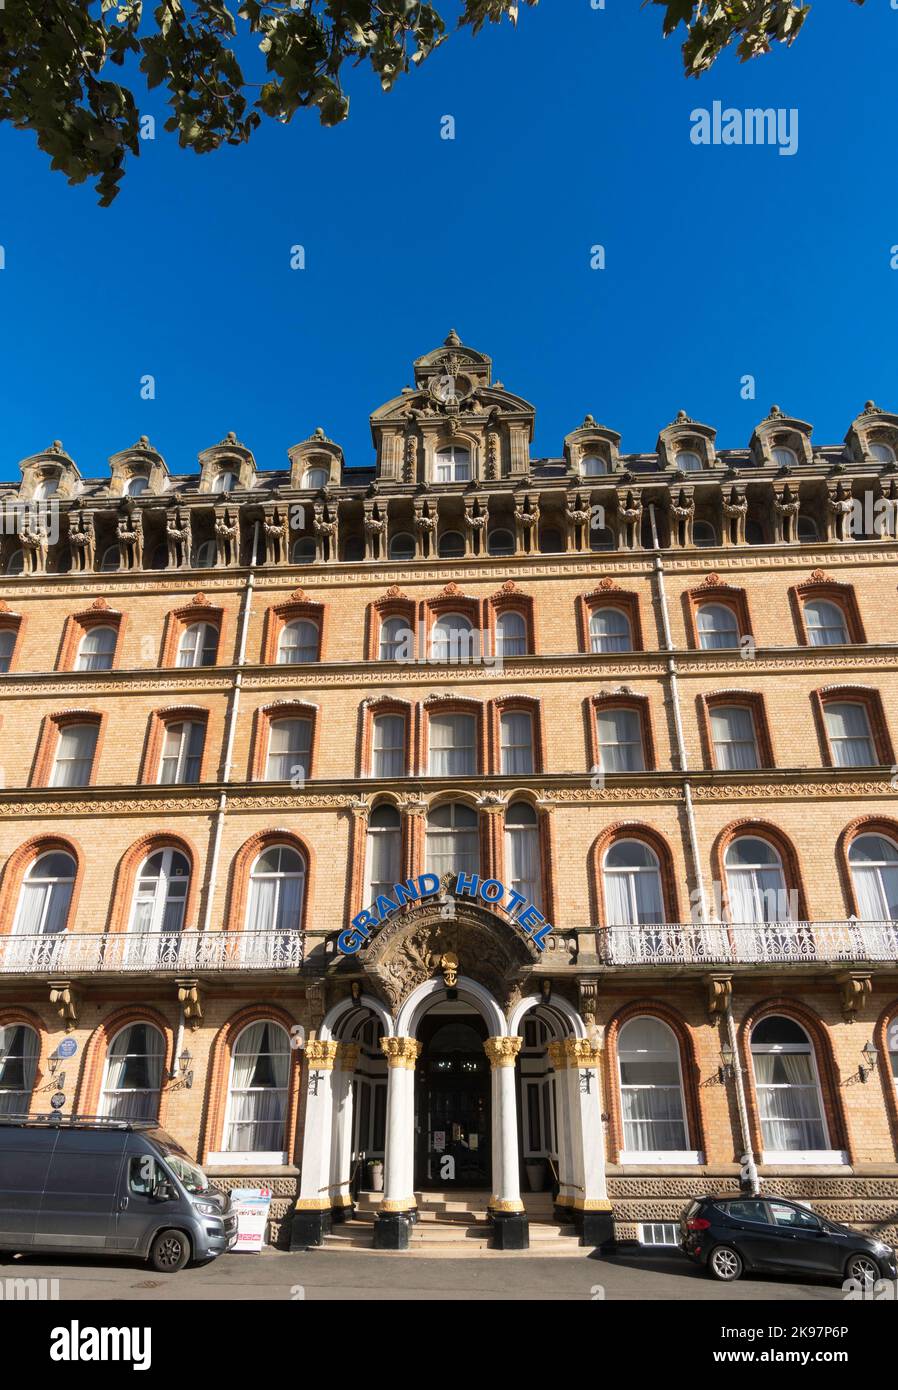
[[207, 1208]]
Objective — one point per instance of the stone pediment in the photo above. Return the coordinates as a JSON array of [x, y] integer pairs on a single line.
[[407, 950]]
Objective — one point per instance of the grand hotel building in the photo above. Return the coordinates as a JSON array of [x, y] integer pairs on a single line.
[[651, 695]]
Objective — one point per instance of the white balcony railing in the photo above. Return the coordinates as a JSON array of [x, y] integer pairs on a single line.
[[723, 943], [65, 953]]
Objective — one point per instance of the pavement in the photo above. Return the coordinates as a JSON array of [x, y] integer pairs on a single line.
[[272, 1276]]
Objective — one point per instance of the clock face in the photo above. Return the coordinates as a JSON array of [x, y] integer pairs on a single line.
[[448, 388]]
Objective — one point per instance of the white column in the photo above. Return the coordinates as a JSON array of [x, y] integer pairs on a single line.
[[591, 1204], [569, 1146], [341, 1141], [399, 1158], [312, 1213], [502, 1053]]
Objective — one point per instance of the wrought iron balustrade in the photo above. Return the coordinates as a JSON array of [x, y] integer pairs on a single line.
[[127, 952], [749, 943]]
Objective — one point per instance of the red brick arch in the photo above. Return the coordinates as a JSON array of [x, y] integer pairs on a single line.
[[212, 1130], [15, 1014], [634, 830], [861, 825], [651, 1008], [780, 842], [238, 888], [126, 875], [87, 1097], [827, 1069]]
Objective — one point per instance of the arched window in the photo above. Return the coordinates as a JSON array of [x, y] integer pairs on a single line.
[[516, 743], [132, 1080], [225, 481], [402, 546], [452, 840], [453, 638], [619, 739], [453, 745], [46, 489], [734, 738], [756, 884], [276, 889], [7, 647], [73, 759], [523, 868], [784, 458], [874, 873], [204, 555], [703, 534], [790, 1105], [717, 627], [383, 857], [632, 878], [653, 1107], [198, 645], [501, 542], [111, 560], [257, 1092], [807, 530], [316, 477], [882, 453], [135, 486], [825, 623], [160, 893], [16, 563], [609, 631], [289, 750], [689, 461], [397, 641], [511, 634], [97, 649], [849, 734], [19, 1052], [303, 551], [182, 752], [388, 746], [892, 1040], [46, 894], [452, 465], [592, 466], [298, 643], [452, 545]]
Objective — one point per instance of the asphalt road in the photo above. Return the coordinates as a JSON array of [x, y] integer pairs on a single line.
[[351, 1275]]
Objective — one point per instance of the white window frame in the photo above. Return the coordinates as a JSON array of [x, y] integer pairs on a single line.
[[62, 731], [243, 1158], [657, 1156], [836, 742], [206, 639], [160, 893], [185, 739], [797, 1156], [717, 744], [453, 464]]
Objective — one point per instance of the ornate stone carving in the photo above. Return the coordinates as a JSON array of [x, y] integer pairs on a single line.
[[321, 1054], [190, 1001], [855, 987], [503, 1052], [64, 1001], [401, 1052]]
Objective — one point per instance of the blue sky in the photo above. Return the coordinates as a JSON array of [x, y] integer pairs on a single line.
[[571, 131]]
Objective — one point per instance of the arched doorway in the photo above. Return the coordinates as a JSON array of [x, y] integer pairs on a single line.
[[452, 1100]]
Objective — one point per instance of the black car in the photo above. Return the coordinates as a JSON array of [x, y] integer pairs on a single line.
[[731, 1234]]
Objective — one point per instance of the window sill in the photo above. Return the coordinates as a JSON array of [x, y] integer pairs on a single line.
[[669, 1156], [246, 1160], [821, 1157]]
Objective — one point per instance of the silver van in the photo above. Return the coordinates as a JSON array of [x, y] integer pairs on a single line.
[[85, 1185]]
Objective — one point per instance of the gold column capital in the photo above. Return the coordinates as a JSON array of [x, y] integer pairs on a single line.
[[557, 1055], [401, 1052], [321, 1053], [502, 1052], [581, 1052]]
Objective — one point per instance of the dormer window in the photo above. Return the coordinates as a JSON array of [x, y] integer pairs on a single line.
[[882, 453], [225, 481], [783, 457], [689, 461], [45, 489], [135, 486], [452, 465], [592, 466], [316, 477]]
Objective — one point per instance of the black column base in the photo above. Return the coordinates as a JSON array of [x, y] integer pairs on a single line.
[[564, 1214], [596, 1228], [391, 1230], [309, 1228], [511, 1230], [340, 1214]]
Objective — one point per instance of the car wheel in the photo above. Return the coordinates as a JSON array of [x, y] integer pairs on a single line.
[[169, 1252], [725, 1264], [864, 1269]]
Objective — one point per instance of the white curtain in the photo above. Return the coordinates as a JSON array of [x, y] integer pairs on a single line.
[[620, 740], [182, 753], [609, 631], [275, 903], [717, 627], [97, 649], [849, 735], [511, 635], [74, 755], [299, 643], [452, 752], [633, 897], [517, 742], [651, 1090], [523, 860], [258, 1099], [19, 1050], [288, 749], [45, 897], [789, 1102], [389, 746], [384, 851], [733, 734], [757, 895], [134, 1074]]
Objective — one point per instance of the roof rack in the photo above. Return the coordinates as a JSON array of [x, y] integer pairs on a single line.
[[77, 1121]]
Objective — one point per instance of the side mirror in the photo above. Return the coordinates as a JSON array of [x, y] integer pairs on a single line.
[[162, 1192]]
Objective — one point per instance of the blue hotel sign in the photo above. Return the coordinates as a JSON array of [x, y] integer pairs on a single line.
[[526, 917]]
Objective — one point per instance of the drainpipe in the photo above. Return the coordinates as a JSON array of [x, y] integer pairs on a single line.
[[750, 1167], [230, 731], [179, 1044]]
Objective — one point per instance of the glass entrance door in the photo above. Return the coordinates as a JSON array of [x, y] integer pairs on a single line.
[[452, 1105]]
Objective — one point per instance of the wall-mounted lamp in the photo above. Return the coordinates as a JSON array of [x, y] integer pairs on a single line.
[[182, 1073], [727, 1069], [868, 1065]]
